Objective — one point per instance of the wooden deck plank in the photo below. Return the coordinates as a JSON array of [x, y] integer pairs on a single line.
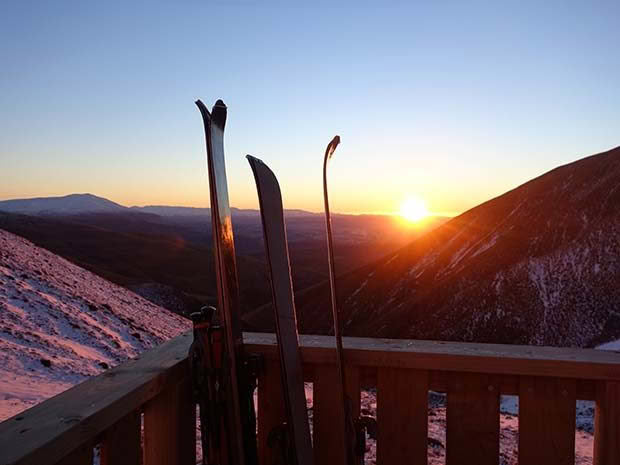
[[547, 421], [121, 443], [402, 416], [472, 417]]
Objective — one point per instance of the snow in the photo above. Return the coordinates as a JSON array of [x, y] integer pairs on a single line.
[[612, 345], [486, 246], [358, 290], [61, 324], [539, 276]]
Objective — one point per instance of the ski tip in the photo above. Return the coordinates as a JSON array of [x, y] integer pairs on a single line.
[[257, 163], [253, 161], [218, 113], [262, 173], [331, 147], [203, 109]]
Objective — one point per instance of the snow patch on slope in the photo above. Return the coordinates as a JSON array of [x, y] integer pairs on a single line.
[[60, 324]]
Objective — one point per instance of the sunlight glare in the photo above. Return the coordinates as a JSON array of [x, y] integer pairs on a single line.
[[413, 209]]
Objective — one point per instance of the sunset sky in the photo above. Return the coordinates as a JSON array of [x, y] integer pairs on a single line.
[[452, 102]]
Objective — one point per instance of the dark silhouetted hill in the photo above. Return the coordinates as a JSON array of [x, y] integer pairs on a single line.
[[537, 265]]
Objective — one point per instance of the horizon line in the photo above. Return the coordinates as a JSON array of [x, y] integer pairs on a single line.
[[431, 214]]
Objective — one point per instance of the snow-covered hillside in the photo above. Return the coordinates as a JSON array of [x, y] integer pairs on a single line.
[[60, 324]]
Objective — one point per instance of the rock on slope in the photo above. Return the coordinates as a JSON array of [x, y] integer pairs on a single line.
[[60, 324], [537, 265]]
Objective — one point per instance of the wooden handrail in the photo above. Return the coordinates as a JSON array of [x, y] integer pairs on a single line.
[[108, 407], [452, 356]]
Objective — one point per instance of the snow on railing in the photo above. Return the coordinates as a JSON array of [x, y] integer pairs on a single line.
[[106, 411]]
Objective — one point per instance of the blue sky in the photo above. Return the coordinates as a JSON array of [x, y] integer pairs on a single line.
[[454, 102]]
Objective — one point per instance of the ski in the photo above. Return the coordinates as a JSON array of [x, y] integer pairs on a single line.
[[353, 454], [225, 383], [274, 232]]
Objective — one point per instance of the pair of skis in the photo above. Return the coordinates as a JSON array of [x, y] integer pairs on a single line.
[[225, 375]]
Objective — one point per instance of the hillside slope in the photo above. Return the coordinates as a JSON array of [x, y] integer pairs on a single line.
[[537, 265], [133, 258], [61, 324]]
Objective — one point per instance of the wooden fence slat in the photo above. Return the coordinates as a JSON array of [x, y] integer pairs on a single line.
[[170, 427], [354, 389], [121, 443], [402, 416], [271, 410], [607, 424], [472, 431], [81, 456], [547, 421], [328, 436]]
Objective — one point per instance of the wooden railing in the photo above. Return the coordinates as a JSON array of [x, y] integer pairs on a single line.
[[151, 396]]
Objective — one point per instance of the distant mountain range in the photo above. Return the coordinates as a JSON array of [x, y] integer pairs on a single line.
[[537, 265], [164, 253], [75, 204]]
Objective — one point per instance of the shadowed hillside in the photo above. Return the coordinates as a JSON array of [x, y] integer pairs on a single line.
[[537, 265], [133, 258]]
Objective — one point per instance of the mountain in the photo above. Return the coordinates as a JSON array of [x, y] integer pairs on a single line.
[[164, 253], [165, 210], [537, 265], [61, 324], [66, 205], [378, 235]]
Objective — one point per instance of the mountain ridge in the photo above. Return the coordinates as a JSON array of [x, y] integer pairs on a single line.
[[67, 204], [90, 203], [550, 246]]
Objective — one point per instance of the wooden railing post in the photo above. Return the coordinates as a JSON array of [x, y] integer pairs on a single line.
[[170, 427], [607, 423], [472, 431], [83, 455], [547, 420], [121, 443], [271, 409], [328, 437], [402, 416]]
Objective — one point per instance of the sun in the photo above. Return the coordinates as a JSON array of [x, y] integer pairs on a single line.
[[413, 209]]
